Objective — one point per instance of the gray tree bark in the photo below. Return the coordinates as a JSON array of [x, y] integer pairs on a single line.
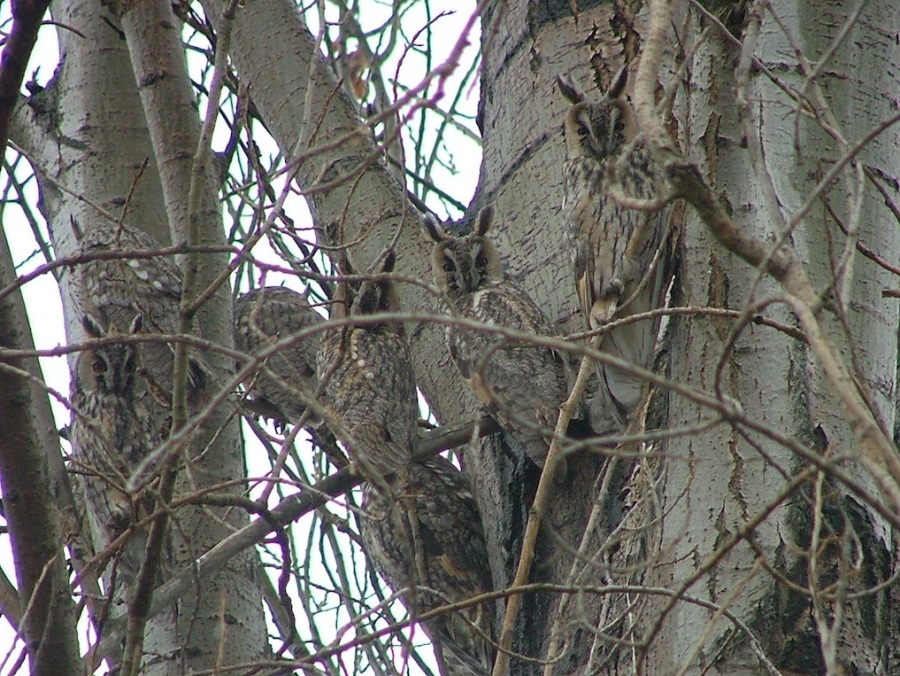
[[90, 137], [750, 530]]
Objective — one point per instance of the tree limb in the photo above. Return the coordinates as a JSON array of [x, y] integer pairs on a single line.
[[290, 509]]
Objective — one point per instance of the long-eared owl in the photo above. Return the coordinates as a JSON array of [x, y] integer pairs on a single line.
[[262, 317], [620, 266], [522, 384], [116, 288], [455, 569], [365, 374], [111, 433]]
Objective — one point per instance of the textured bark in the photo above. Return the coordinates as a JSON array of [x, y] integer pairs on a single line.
[[730, 476], [719, 518], [27, 448], [191, 200], [94, 143], [93, 118], [305, 109], [531, 44], [717, 481], [29, 507]]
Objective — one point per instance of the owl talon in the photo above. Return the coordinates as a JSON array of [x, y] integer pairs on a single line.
[[602, 312]]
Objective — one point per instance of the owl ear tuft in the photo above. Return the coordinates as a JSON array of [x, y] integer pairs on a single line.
[[137, 325], [92, 327], [485, 218], [344, 264], [569, 91], [432, 229], [617, 89], [390, 259]]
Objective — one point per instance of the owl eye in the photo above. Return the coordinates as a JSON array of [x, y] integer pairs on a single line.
[[620, 126], [99, 366], [481, 259], [368, 300], [384, 300], [449, 265]]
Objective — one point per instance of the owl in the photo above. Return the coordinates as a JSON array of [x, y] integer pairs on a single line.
[[522, 384], [115, 289], [617, 252], [452, 544], [366, 378], [264, 316], [112, 431]]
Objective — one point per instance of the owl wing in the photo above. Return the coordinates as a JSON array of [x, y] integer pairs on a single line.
[[372, 391], [400, 389], [118, 288], [647, 233], [102, 471], [515, 309], [111, 435], [449, 526], [265, 315], [151, 286], [523, 384], [582, 192], [450, 522]]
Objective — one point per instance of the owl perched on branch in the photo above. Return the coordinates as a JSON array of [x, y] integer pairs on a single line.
[[451, 541], [112, 432], [522, 384], [139, 281], [365, 374], [620, 266], [262, 317]]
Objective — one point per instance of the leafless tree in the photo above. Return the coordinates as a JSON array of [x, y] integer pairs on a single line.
[[743, 522]]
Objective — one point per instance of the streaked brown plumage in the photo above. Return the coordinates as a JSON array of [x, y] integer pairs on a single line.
[[456, 561], [116, 289], [112, 432], [264, 316], [615, 250], [366, 376], [522, 384]]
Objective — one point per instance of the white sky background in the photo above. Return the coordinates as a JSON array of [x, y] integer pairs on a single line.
[[42, 296]]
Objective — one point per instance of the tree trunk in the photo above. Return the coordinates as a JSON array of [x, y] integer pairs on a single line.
[[728, 513], [747, 526], [95, 142]]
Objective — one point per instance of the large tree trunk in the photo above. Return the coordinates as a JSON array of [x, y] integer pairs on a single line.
[[728, 515], [527, 45], [821, 535], [749, 531], [91, 138]]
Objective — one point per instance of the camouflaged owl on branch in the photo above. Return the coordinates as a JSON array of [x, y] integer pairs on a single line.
[[124, 275], [617, 252], [522, 384], [263, 316], [112, 432], [455, 567], [365, 374]]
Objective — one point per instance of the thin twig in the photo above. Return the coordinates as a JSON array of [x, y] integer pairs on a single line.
[[536, 514]]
